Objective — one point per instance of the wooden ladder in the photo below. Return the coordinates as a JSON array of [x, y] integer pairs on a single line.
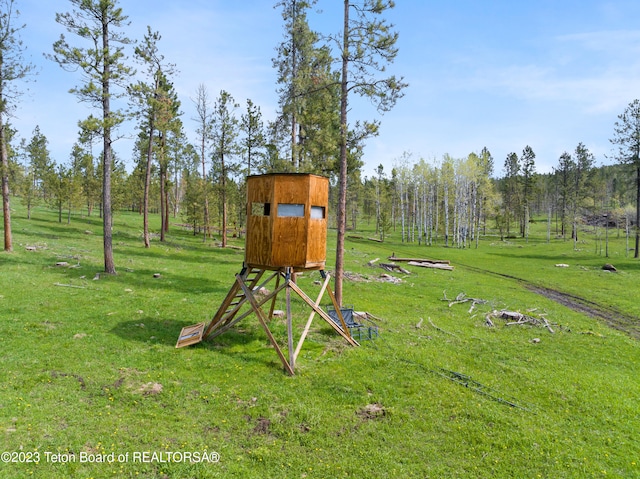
[[233, 301]]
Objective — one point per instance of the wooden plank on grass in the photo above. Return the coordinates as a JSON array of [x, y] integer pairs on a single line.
[[190, 335], [419, 260], [431, 265]]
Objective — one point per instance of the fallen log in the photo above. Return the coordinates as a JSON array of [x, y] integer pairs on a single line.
[[419, 260], [394, 267], [431, 265]]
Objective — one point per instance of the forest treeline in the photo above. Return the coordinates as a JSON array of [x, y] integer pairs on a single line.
[[450, 201]]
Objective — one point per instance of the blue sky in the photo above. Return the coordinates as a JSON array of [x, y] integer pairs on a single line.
[[497, 73]]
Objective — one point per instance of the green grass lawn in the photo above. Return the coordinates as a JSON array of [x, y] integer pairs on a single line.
[[90, 372]]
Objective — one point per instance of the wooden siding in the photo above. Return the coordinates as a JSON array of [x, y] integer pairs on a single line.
[[289, 242], [258, 242], [274, 242], [260, 189], [317, 229]]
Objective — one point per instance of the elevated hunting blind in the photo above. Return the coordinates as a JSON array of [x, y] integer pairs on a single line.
[[287, 221], [286, 233]]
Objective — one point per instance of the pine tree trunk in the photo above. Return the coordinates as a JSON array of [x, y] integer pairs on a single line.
[[224, 204], [4, 172], [205, 188], [165, 184], [162, 204], [167, 209], [147, 185], [342, 182], [109, 265], [107, 222]]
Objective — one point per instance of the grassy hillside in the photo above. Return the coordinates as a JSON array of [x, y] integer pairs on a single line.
[[89, 369]]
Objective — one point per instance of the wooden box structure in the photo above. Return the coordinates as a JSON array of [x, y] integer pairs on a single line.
[[286, 232], [287, 221]]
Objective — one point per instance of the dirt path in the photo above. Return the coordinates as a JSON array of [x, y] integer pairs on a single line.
[[611, 316]]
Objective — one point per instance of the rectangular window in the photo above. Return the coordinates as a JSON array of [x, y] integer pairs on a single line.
[[286, 210], [260, 209], [317, 212]]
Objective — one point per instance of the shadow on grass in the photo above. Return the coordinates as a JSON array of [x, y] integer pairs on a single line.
[[144, 279], [158, 252], [246, 345], [76, 228], [150, 330], [166, 332], [138, 280]]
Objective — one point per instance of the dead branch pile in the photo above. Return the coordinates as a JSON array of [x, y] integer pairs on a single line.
[[512, 318], [463, 298], [516, 318], [387, 278], [360, 278]]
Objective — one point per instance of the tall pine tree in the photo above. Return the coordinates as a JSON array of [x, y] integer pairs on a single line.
[[12, 69], [367, 45], [103, 63]]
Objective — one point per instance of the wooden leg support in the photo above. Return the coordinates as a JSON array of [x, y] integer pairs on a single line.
[[345, 334], [242, 291], [254, 304], [311, 316]]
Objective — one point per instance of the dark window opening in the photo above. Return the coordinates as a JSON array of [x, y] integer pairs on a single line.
[[260, 209]]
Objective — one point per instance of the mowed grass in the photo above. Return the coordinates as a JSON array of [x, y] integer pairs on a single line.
[[89, 367]]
